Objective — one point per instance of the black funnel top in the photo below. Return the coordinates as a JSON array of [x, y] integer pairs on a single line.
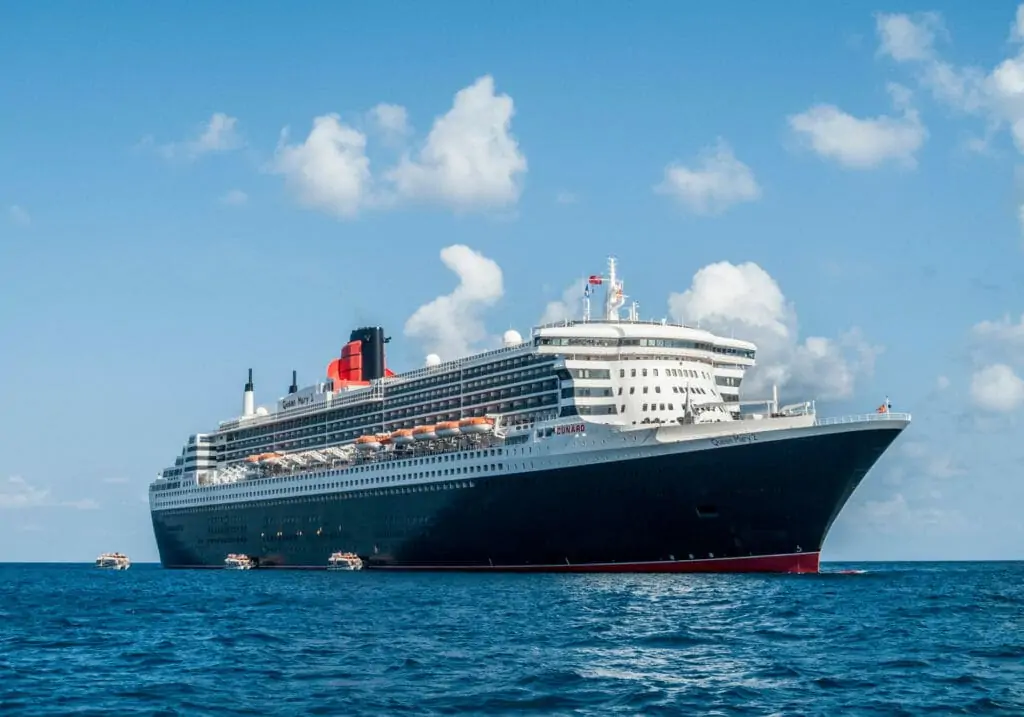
[[372, 340]]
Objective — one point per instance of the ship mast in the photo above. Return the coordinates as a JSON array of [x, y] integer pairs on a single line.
[[614, 298]]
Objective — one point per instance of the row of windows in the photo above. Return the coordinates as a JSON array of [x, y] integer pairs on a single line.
[[471, 372], [650, 343], [674, 372], [586, 392], [342, 484], [594, 373]]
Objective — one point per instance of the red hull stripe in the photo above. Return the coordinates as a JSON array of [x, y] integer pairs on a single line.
[[786, 563]]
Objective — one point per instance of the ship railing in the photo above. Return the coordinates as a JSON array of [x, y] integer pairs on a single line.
[[863, 417]]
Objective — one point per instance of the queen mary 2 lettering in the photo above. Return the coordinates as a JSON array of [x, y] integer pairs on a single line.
[[597, 444]]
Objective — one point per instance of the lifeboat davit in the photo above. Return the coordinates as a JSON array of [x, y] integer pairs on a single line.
[[367, 443], [446, 429], [423, 433], [476, 425], [402, 436]]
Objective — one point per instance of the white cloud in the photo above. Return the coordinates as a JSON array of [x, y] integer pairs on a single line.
[[568, 307], [450, 325], [219, 134], [862, 143], [942, 383], [904, 38], [391, 120], [718, 181], [996, 95], [470, 159], [931, 460], [82, 504], [746, 301], [17, 493], [1004, 330], [896, 513], [235, 198], [329, 170], [997, 388], [19, 216]]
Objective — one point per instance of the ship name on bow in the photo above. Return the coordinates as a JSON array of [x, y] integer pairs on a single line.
[[734, 440]]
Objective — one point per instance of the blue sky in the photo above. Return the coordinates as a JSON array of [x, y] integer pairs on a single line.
[[842, 185]]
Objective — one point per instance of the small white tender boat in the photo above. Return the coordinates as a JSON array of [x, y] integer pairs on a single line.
[[344, 561], [113, 561], [237, 561]]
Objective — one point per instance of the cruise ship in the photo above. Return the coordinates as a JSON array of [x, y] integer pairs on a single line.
[[598, 444]]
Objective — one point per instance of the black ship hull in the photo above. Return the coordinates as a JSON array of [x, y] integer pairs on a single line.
[[765, 506]]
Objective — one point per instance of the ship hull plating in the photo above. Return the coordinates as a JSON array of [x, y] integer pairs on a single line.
[[760, 507]]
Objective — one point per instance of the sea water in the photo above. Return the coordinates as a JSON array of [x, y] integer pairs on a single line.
[[897, 639]]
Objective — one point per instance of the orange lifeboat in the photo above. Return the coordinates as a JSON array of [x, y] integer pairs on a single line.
[[476, 425], [368, 443], [446, 429], [383, 438], [423, 433], [402, 436]]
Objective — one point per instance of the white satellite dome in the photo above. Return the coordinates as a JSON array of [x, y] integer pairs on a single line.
[[433, 360], [511, 338], [262, 411]]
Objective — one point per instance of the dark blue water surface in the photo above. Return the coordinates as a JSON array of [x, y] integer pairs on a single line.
[[899, 639]]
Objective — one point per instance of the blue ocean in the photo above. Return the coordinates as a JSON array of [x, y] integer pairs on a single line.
[[896, 639]]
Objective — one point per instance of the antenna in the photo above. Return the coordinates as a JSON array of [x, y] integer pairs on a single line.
[[294, 388], [586, 299], [614, 298]]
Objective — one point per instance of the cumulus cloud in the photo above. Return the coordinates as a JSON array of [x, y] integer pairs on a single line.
[[219, 134], [994, 95], [863, 143], [450, 325], [930, 460], [391, 120], [998, 341], [896, 513], [17, 493], [997, 388], [1002, 331], [744, 300], [19, 216], [717, 181], [470, 159], [568, 307], [235, 198], [329, 170], [906, 38]]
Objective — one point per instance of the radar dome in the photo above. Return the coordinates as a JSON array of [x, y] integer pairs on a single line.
[[511, 338], [433, 360], [262, 411]]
